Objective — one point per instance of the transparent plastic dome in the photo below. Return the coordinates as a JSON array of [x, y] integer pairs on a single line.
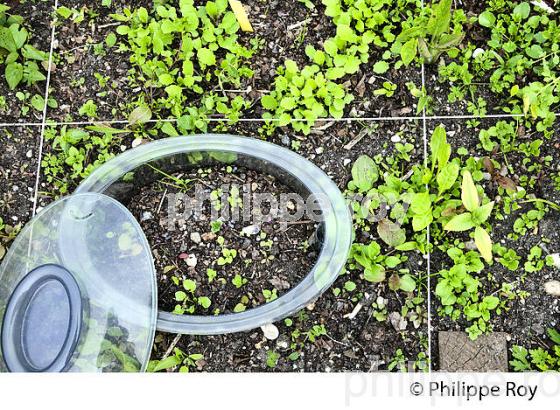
[[78, 291]]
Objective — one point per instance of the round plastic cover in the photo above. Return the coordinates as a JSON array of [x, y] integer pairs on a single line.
[[95, 240]]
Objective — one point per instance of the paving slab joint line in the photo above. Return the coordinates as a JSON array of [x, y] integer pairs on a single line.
[[44, 119], [241, 120]]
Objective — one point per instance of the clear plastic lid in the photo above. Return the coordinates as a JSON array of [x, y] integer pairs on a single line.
[[78, 290]]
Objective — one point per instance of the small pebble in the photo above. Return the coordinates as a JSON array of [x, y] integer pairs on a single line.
[[395, 138], [191, 261], [552, 288], [270, 331], [146, 216], [251, 230], [195, 237]]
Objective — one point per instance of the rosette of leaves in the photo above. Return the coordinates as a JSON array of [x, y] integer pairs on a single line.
[[20, 59], [475, 217], [430, 34]]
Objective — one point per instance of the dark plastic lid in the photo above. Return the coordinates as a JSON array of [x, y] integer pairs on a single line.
[[43, 321]]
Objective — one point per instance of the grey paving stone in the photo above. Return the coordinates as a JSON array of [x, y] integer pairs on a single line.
[[488, 353]]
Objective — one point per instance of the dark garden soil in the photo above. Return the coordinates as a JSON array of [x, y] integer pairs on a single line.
[[18, 171], [360, 343], [73, 82], [337, 332], [527, 319], [268, 256], [37, 16]]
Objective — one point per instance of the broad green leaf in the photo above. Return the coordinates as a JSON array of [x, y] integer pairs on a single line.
[[522, 10], [459, 223], [391, 233], [483, 243], [376, 274], [407, 246], [14, 74], [19, 35], [440, 19], [365, 173], [409, 50], [421, 203], [407, 283], [469, 193], [420, 222], [441, 150], [447, 176], [140, 115], [486, 19], [32, 53]]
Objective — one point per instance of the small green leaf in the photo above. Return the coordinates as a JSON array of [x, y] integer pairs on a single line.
[[469, 193], [140, 115], [491, 302], [240, 307], [407, 283], [111, 39], [483, 243], [206, 57], [189, 285], [381, 67], [180, 296], [391, 233], [269, 102], [364, 173], [204, 301], [486, 19], [376, 274]]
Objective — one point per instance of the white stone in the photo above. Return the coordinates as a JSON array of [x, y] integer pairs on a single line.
[[191, 261], [270, 331], [552, 288], [195, 237], [250, 230], [395, 138], [477, 52]]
